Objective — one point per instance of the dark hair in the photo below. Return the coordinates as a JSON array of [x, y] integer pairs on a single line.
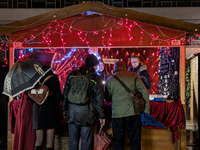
[[136, 57]]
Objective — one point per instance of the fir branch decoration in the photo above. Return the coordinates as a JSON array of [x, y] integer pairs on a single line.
[[188, 84]]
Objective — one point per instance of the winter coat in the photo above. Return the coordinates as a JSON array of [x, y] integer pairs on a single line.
[[24, 135], [142, 72], [122, 101], [104, 74], [86, 114], [46, 116]]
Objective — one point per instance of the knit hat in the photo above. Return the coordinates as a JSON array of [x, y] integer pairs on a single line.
[[119, 64], [91, 60]]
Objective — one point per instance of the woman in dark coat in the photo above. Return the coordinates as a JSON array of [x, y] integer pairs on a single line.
[[102, 72], [141, 71], [45, 116]]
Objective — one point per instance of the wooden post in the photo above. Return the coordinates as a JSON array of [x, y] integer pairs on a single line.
[[182, 74], [182, 71], [10, 136]]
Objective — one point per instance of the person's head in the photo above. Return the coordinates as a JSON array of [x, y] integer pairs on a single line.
[[119, 65], [101, 66], [135, 61], [91, 61]]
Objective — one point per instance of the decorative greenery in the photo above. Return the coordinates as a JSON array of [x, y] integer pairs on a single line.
[[188, 78]]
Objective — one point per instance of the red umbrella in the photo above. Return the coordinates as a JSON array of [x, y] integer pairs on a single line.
[[41, 57]]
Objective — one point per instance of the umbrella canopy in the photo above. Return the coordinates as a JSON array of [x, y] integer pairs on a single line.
[[41, 57], [148, 119], [22, 76]]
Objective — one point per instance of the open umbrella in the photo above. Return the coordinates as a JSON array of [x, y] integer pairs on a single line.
[[22, 76], [40, 56], [148, 119]]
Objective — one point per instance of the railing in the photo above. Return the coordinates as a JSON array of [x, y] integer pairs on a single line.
[[118, 3]]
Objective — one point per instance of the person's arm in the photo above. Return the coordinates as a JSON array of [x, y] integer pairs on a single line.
[[144, 75], [98, 93], [57, 90], [145, 93], [65, 95]]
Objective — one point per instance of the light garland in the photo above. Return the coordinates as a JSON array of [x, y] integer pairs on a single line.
[[65, 29]]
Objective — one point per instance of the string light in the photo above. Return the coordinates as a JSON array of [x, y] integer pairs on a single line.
[[64, 29], [4, 47]]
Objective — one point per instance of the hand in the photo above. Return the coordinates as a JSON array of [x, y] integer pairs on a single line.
[[102, 122], [63, 114]]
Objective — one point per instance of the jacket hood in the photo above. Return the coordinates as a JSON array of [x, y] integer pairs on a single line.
[[119, 69], [86, 70]]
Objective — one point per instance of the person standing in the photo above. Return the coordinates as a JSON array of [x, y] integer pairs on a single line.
[[123, 114], [102, 71], [46, 115], [141, 71], [82, 117]]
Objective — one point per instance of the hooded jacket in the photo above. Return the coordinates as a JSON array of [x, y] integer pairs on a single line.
[[122, 101], [86, 114], [142, 72]]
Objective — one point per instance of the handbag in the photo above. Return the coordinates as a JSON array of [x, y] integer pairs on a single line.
[[40, 93], [101, 141], [138, 101]]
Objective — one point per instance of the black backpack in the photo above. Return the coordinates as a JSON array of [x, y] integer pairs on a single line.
[[79, 89]]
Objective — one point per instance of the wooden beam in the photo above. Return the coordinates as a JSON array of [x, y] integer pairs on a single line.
[[103, 9]]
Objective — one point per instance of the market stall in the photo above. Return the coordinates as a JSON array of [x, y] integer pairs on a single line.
[[113, 34]]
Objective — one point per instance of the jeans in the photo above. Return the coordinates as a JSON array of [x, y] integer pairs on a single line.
[[133, 125], [76, 132]]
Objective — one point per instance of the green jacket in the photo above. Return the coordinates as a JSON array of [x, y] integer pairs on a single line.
[[122, 102]]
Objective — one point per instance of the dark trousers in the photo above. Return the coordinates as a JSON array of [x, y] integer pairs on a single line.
[[75, 133], [133, 126]]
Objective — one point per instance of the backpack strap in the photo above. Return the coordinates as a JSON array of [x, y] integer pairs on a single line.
[[45, 81]]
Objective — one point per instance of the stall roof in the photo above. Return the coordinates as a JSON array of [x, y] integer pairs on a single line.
[[103, 9]]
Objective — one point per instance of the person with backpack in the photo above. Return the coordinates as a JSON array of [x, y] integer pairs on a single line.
[[83, 103], [46, 113]]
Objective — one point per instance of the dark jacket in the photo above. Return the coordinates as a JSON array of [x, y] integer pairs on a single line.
[[86, 114], [142, 72], [104, 74], [46, 116], [122, 101]]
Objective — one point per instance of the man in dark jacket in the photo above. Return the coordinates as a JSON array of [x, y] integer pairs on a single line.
[[123, 114], [81, 118], [141, 71]]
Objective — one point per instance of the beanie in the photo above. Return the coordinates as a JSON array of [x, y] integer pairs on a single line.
[[91, 60], [119, 64]]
